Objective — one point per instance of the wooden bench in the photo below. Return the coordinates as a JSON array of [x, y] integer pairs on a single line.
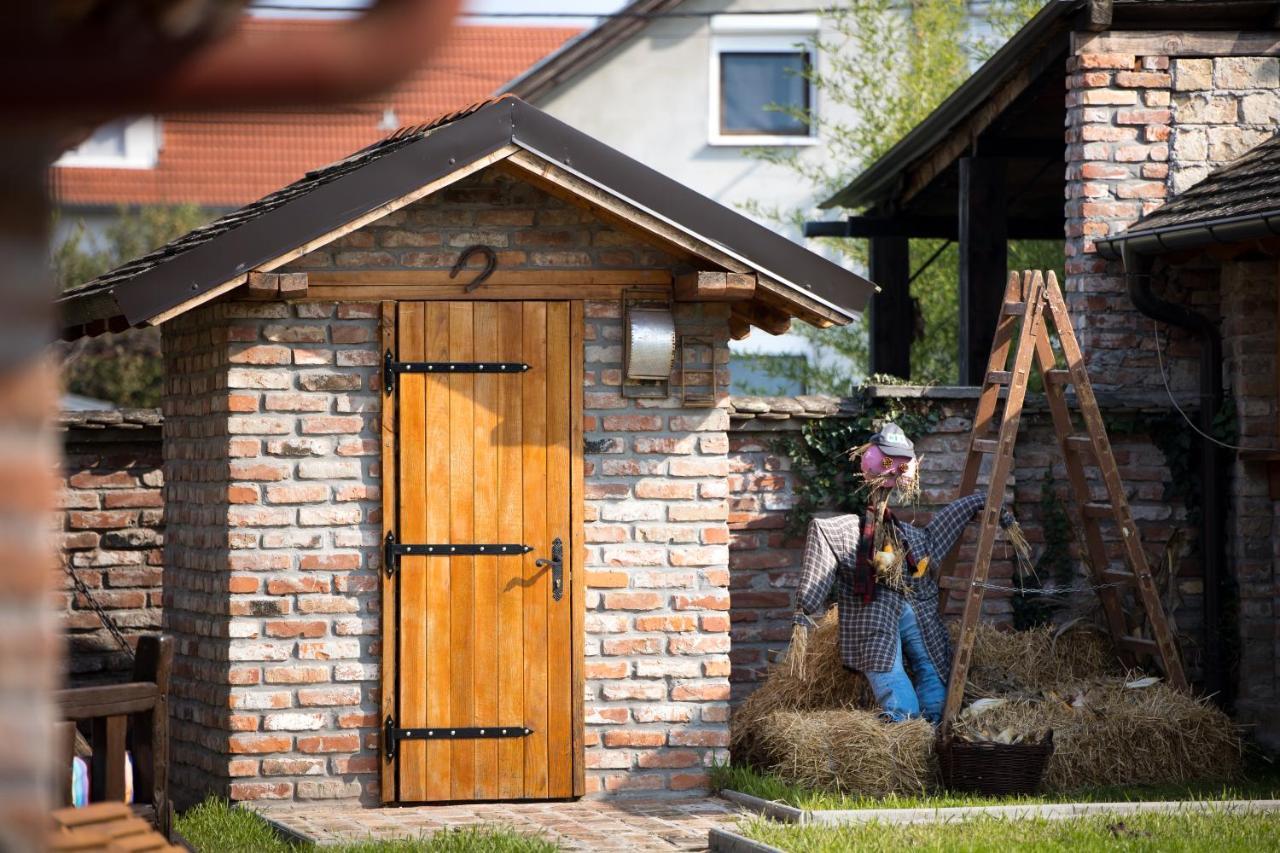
[[133, 716], [109, 827]]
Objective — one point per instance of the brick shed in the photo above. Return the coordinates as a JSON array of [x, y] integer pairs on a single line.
[[426, 537]]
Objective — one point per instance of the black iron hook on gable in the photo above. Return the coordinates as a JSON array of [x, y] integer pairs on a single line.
[[490, 263]]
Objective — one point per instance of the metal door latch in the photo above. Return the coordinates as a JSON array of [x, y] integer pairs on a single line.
[[557, 568]]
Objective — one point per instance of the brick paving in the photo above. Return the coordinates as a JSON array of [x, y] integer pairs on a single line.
[[615, 825]]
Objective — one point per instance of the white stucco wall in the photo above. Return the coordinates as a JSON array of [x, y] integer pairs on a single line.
[[651, 100]]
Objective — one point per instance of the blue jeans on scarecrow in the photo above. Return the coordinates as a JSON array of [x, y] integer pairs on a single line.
[[898, 697]]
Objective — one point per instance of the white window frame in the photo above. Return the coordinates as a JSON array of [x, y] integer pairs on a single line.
[[759, 34], [141, 149]]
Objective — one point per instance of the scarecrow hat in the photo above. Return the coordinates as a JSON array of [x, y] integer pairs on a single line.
[[892, 441]]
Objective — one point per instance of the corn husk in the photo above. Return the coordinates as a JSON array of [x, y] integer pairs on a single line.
[[851, 751]]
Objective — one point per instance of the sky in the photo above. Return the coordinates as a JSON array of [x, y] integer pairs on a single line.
[[480, 8]]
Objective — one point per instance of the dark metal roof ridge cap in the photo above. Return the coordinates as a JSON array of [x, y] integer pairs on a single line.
[[578, 52], [762, 233], [1190, 235], [966, 98]]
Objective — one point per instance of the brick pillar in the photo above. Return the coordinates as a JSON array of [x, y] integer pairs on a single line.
[[272, 554], [657, 622], [1249, 306]]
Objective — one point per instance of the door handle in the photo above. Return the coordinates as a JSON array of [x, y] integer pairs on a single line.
[[557, 568]]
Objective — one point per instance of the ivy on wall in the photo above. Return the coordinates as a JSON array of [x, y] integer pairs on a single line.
[[826, 480]]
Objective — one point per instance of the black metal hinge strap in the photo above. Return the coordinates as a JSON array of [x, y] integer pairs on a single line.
[[391, 367], [392, 551], [392, 735]]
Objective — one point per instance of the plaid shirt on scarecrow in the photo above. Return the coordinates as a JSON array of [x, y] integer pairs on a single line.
[[869, 638]]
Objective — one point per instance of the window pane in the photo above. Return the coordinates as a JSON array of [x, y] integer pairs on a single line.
[[750, 82]]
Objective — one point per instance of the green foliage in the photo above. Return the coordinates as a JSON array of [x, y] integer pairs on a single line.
[[884, 70], [825, 477], [125, 368], [216, 826]]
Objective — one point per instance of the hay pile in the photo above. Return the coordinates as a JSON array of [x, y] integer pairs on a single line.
[[823, 731], [850, 751], [827, 686], [1007, 662], [1105, 733]]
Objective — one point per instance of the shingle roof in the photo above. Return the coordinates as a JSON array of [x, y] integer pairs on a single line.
[[223, 160], [209, 260]]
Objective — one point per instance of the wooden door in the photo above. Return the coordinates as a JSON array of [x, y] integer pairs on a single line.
[[481, 642]]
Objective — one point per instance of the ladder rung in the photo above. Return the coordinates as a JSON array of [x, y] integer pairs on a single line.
[[1119, 577], [999, 377], [1057, 376], [1140, 645], [985, 445], [1080, 443], [1097, 509], [1016, 309]]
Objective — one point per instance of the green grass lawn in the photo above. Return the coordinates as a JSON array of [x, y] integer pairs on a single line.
[[1261, 782], [215, 826], [1218, 832]]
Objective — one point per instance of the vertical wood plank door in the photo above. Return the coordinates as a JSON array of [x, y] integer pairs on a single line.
[[483, 644]]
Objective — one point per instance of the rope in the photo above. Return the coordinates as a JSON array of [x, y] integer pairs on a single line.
[[1061, 590], [107, 621]]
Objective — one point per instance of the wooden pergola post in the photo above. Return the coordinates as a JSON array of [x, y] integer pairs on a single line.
[[984, 259], [892, 314]]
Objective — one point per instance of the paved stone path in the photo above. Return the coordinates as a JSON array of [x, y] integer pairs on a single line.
[[594, 825]]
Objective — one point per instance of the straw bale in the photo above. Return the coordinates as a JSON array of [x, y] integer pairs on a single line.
[[1105, 733], [851, 751], [826, 685], [1006, 662]]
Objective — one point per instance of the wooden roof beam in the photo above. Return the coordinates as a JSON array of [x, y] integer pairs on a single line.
[[714, 286]]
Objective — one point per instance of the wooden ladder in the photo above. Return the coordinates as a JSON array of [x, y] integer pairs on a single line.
[[1033, 309]]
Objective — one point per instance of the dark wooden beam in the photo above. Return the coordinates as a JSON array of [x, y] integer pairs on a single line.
[[984, 259], [892, 312], [930, 228]]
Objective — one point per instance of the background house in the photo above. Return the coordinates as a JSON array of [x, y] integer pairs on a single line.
[[221, 160]]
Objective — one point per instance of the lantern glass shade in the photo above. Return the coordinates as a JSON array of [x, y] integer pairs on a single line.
[[650, 343]]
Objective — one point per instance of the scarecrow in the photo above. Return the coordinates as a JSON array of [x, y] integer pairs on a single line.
[[879, 565]]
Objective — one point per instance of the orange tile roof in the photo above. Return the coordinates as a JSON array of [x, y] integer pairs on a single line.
[[229, 159]]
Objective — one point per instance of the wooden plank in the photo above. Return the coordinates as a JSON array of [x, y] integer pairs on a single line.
[[103, 812], [762, 317], [149, 730], [536, 592], [559, 623], [892, 310], [387, 470], [86, 703], [990, 518], [411, 576], [462, 530], [65, 739], [1177, 43], [456, 292], [106, 768], [511, 574], [577, 553], [485, 490], [984, 415], [499, 278], [439, 489], [983, 250]]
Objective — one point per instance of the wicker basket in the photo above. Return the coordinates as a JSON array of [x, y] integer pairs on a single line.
[[994, 769]]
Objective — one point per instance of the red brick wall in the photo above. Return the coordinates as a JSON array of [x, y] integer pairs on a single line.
[[112, 532]]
